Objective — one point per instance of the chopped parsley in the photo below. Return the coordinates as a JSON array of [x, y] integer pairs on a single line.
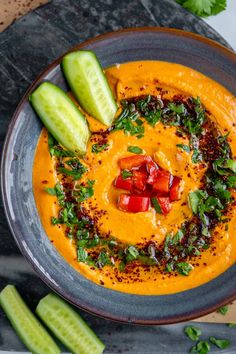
[[56, 150], [220, 343], [184, 268], [135, 149], [96, 148], [223, 310], [126, 174], [76, 169], [204, 8], [185, 148], [103, 259], [129, 120], [58, 192], [84, 192], [231, 325], [202, 347], [193, 332], [156, 205]]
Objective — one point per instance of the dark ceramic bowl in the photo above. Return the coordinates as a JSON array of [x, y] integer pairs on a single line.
[[175, 46]]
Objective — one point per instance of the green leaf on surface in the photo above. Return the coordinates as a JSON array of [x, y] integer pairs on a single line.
[[202, 347], [192, 332], [219, 6], [231, 325], [204, 8], [220, 343], [223, 310]]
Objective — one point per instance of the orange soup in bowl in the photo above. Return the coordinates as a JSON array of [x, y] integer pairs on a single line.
[[150, 208]]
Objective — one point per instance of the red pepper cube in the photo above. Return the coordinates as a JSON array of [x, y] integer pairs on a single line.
[[162, 183], [139, 180], [123, 183], [175, 190], [152, 169], [133, 204], [127, 163], [165, 204]]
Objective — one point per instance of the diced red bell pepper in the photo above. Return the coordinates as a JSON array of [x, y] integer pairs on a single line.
[[139, 180], [152, 169], [122, 183], [164, 203], [127, 163], [175, 191], [162, 183], [133, 204]]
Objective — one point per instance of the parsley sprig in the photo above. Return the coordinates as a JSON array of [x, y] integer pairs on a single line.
[[204, 8]]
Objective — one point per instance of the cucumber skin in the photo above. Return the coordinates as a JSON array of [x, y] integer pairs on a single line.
[[3, 302], [65, 69], [52, 299], [45, 122]]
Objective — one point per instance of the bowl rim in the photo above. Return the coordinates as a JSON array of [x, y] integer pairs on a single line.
[[181, 33]]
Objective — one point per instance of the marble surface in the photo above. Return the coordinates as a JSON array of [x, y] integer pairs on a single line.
[[27, 47]]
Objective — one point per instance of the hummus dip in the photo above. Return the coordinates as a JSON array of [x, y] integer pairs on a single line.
[[166, 248]]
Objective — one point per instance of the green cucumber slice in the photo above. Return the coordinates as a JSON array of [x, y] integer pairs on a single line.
[[61, 117], [29, 329], [68, 326], [89, 85]]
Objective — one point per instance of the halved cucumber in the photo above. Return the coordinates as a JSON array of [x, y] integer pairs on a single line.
[[29, 329], [61, 117], [68, 326], [89, 85]]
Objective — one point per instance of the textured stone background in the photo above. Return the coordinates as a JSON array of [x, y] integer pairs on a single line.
[[26, 48]]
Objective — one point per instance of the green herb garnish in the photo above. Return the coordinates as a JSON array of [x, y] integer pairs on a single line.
[[223, 310], [204, 8], [185, 148], [192, 332], [51, 191], [56, 150], [77, 169], [131, 253], [129, 120], [231, 325], [85, 192], [126, 174], [184, 268], [220, 343], [135, 149], [156, 205], [82, 254], [58, 192], [202, 347], [96, 148], [103, 259]]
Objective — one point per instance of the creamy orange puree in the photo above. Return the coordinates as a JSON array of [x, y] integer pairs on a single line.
[[127, 80]]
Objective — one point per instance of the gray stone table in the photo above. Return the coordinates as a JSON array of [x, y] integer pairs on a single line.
[[26, 48]]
